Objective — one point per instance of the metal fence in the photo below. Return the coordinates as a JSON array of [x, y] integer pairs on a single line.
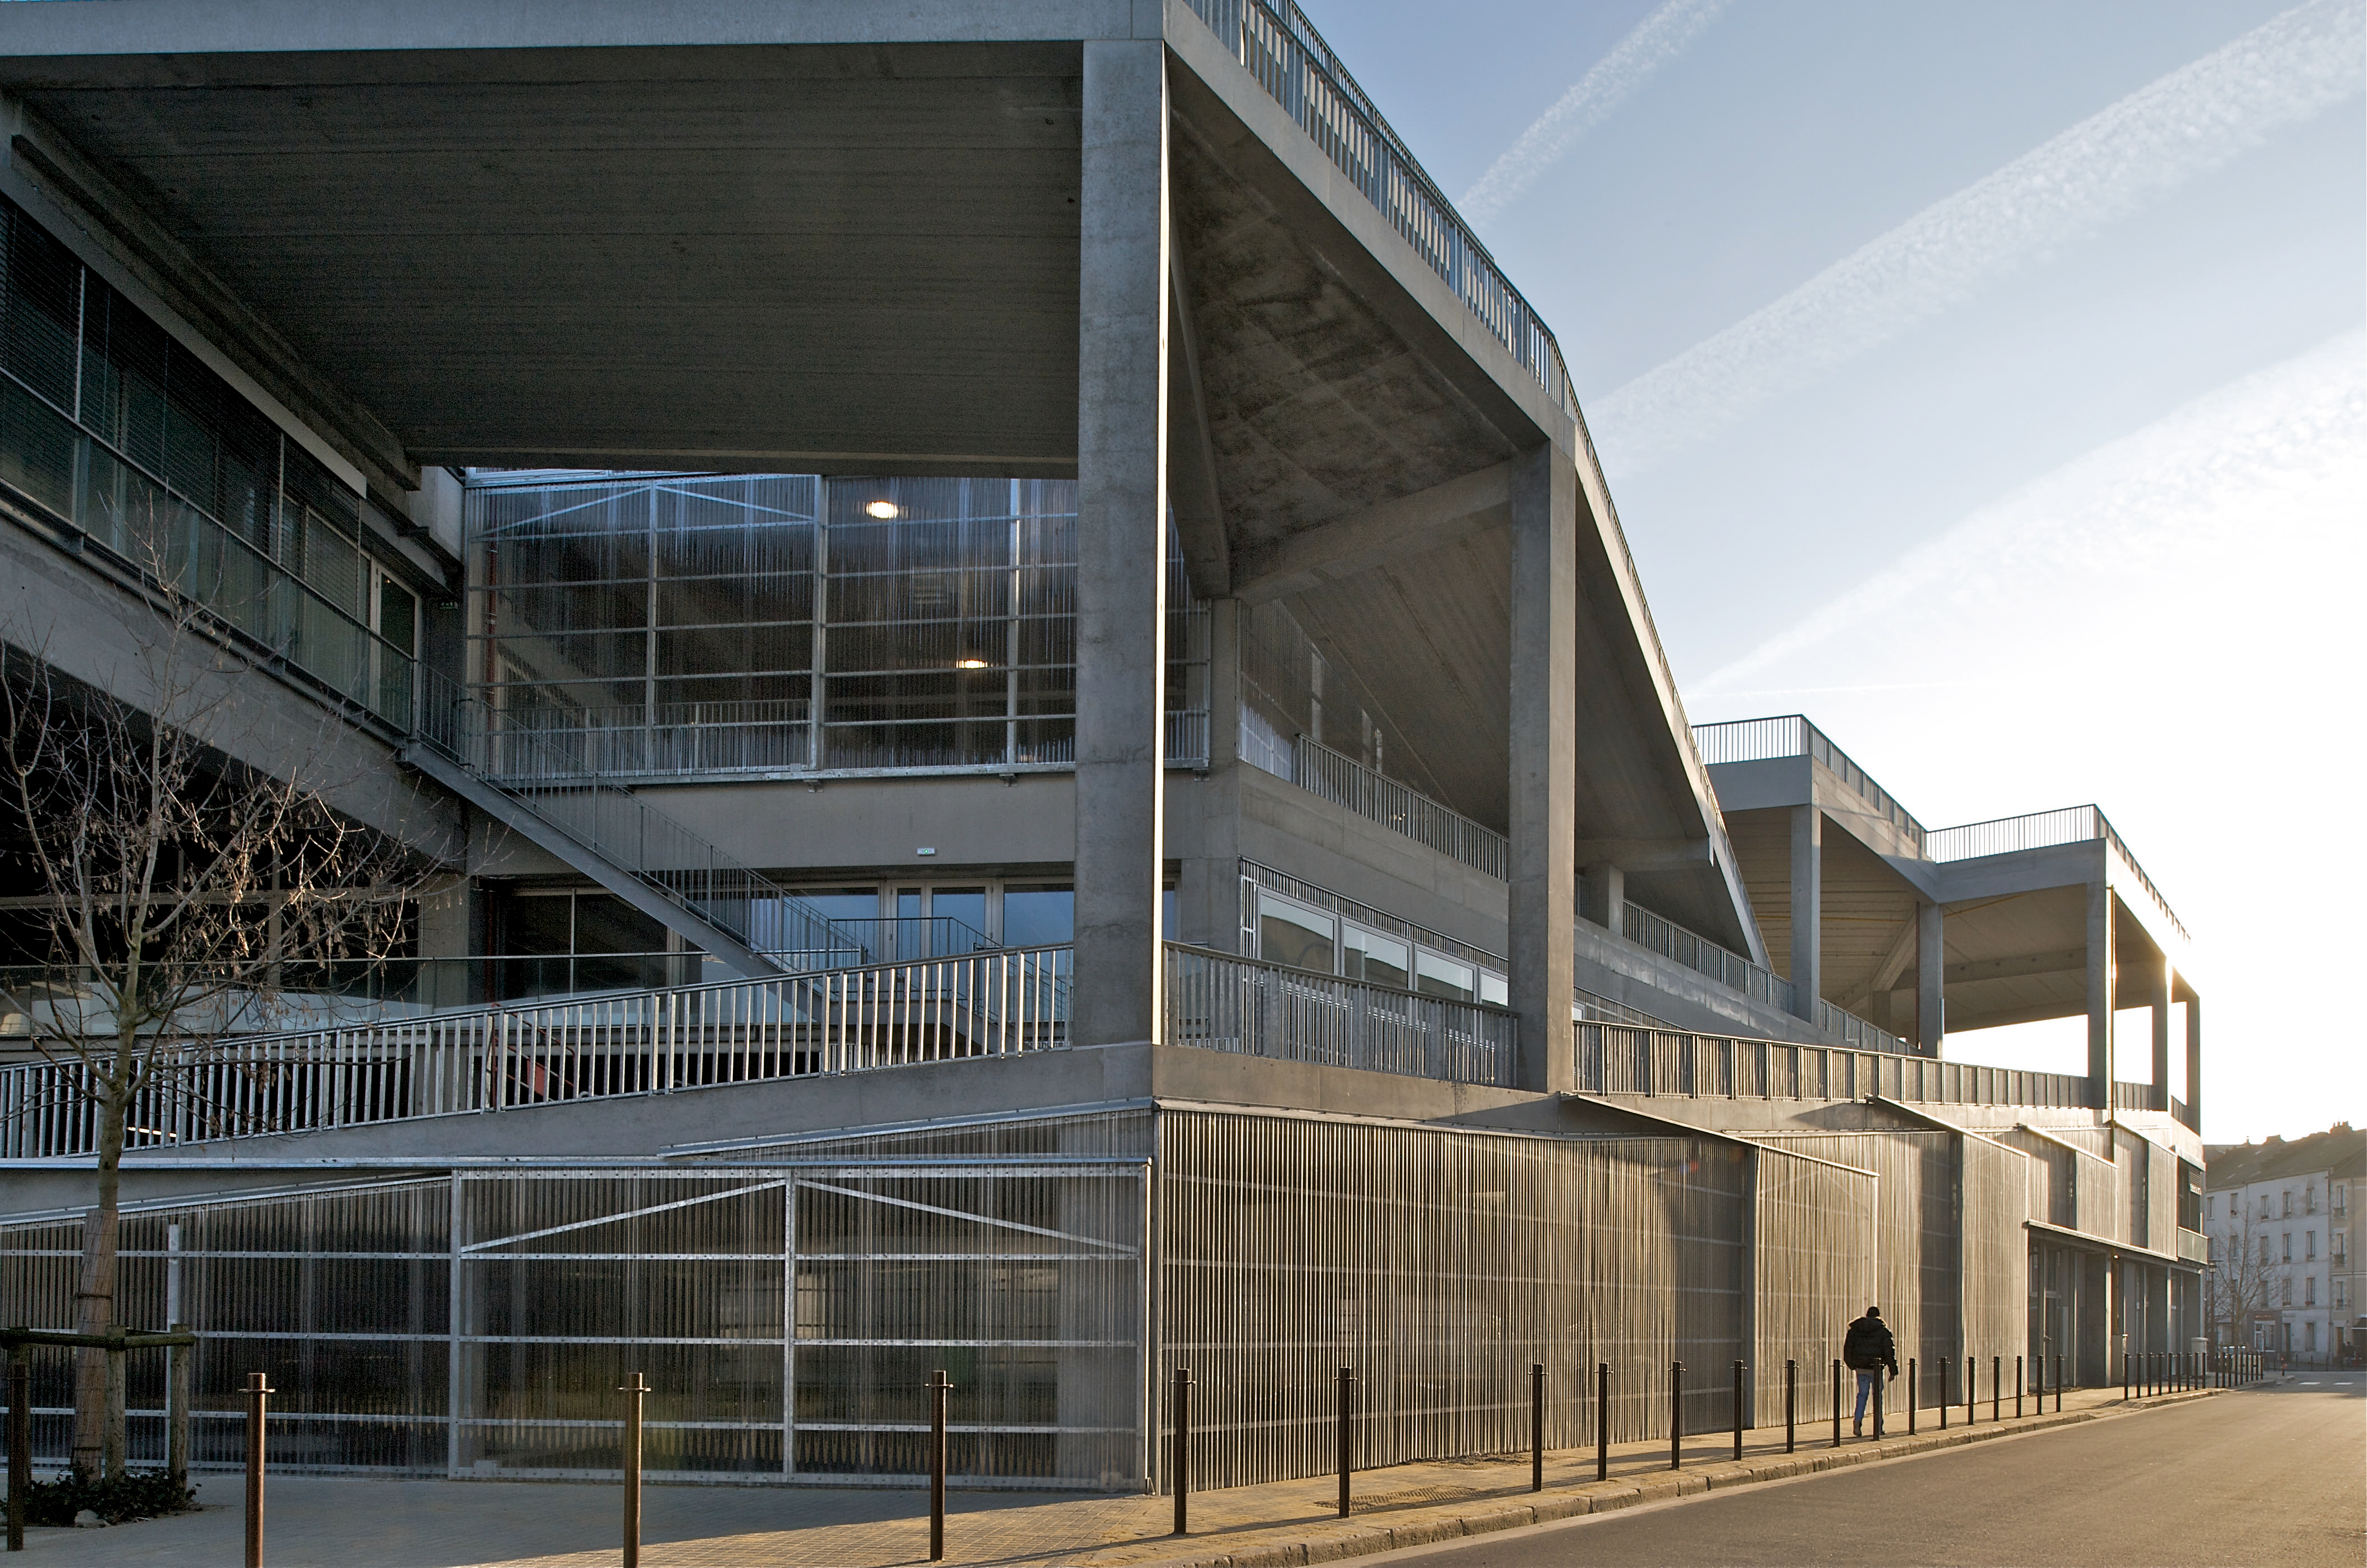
[[1221, 1002], [2044, 830], [1698, 953], [651, 1042], [1344, 782], [1613, 1059], [1281, 48]]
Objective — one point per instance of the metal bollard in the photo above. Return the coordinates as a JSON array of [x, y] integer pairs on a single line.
[[2128, 1377], [941, 1388], [636, 1391], [2020, 1380], [1183, 1462], [1347, 1432], [258, 1397], [1837, 1404], [1676, 1414], [1791, 1404], [1738, 1411], [1537, 1425], [1945, 1388], [2058, 1383], [1997, 1374], [1911, 1399], [1602, 1420], [20, 1440], [1881, 1387], [1972, 1388]]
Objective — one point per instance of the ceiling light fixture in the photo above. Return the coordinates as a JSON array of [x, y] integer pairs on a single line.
[[883, 510], [970, 664]]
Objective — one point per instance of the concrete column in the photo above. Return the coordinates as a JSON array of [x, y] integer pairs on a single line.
[[1605, 890], [1930, 974], [2159, 1003], [1808, 909], [2194, 1062], [1208, 889], [1121, 539], [2100, 994], [1544, 746]]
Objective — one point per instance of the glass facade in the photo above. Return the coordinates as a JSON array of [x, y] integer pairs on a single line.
[[758, 623]]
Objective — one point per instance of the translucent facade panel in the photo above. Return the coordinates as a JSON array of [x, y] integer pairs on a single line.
[[1815, 1269], [1291, 935], [1996, 1250]]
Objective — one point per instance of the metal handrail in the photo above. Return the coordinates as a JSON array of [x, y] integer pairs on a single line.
[[1343, 781], [1218, 1000], [1791, 734], [619, 1045], [1613, 1059], [1276, 42], [1656, 933]]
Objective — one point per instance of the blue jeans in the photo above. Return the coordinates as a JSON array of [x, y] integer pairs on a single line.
[[1867, 1382]]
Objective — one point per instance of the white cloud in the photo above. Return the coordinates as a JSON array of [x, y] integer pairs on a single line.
[[2106, 167], [1616, 77]]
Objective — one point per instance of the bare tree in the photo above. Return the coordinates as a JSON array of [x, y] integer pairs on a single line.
[[181, 898], [2244, 1280]]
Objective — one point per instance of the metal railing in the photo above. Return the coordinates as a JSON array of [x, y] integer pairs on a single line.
[[1281, 48], [1222, 1001], [1616, 1060], [1791, 734], [1856, 1032], [2043, 830], [490, 1059], [1658, 933], [1343, 781], [621, 827]]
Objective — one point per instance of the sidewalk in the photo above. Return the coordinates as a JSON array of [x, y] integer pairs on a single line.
[[339, 1522]]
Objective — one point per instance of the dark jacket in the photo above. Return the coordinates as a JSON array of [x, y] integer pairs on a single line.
[[1869, 1345]]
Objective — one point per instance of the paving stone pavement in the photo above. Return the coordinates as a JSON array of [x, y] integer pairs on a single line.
[[341, 1522]]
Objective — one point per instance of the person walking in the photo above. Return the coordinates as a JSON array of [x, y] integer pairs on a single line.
[[1866, 1350]]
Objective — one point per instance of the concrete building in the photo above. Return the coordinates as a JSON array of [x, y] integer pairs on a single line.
[[1067, 773], [2283, 1274]]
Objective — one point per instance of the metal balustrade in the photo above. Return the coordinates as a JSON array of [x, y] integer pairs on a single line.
[[1791, 734], [1280, 47], [623, 1044], [1662, 935], [621, 827], [1615, 1060], [1343, 781], [2044, 830], [1222, 1001]]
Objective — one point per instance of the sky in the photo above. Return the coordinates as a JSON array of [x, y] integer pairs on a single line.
[[1988, 382]]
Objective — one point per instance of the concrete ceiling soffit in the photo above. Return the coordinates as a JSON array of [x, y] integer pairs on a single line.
[[1191, 487], [1357, 542], [191, 285]]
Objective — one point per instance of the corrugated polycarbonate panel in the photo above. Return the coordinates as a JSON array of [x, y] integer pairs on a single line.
[[1996, 1249], [1439, 1265], [1815, 1271]]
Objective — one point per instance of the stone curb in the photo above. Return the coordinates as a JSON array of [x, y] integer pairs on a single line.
[[1608, 1497]]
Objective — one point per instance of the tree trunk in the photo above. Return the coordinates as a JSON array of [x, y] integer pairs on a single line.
[[95, 1295]]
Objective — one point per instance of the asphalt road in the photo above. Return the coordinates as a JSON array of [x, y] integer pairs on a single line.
[[2277, 1476]]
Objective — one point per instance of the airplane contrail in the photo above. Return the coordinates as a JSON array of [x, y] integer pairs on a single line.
[[2184, 125], [1656, 40]]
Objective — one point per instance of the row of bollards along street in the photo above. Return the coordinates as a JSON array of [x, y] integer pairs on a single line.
[[2142, 1374]]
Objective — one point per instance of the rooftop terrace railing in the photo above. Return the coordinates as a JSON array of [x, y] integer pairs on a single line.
[[1791, 734], [606, 1046], [2044, 830], [1281, 48]]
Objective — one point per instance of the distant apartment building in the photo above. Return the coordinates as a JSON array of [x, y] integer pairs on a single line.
[[2284, 1275]]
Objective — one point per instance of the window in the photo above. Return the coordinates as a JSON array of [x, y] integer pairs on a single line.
[[2309, 1291], [2309, 1336], [2210, 1208], [1293, 934], [2309, 1247], [2341, 1291], [2288, 1293], [2264, 1249], [2288, 1240], [2309, 1199], [2288, 1203], [1369, 956], [1437, 976], [2342, 1200], [2338, 1246]]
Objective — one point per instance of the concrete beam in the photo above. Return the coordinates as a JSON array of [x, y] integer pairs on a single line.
[[1192, 451], [1808, 909], [1544, 777], [1645, 854], [2194, 1062], [2100, 970], [1124, 279], [1604, 890], [1361, 540], [2158, 977], [2068, 961], [1931, 970]]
